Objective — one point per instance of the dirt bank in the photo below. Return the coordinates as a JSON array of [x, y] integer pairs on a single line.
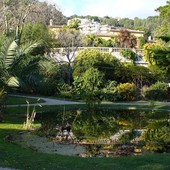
[[45, 145]]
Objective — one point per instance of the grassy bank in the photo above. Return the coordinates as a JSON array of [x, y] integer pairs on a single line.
[[12, 155]]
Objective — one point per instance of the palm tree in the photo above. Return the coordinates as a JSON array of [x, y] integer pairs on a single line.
[[21, 67]]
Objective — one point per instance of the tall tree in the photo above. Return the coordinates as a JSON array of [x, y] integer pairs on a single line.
[[37, 32], [164, 11], [159, 54], [16, 13], [69, 39], [126, 23]]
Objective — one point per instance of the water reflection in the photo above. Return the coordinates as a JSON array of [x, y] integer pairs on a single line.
[[107, 127]]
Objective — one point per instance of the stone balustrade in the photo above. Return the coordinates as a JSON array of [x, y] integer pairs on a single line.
[[60, 53]]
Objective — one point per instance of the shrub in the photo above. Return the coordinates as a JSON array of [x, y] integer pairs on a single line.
[[110, 91], [89, 86], [128, 91], [157, 91]]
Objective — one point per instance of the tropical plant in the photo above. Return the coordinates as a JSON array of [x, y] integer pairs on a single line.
[[21, 69]]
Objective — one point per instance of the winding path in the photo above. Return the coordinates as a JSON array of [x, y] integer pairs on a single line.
[[50, 101]]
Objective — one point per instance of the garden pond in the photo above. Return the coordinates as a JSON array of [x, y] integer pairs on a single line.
[[108, 132]]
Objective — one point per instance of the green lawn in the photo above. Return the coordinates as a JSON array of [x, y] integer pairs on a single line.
[[12, 100], [12, 155]]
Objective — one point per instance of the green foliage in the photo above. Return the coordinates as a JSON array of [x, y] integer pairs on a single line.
[[2, 93], [88, 86], [109, 21], [159, 53], [100, 42], [157, 91], [157, 73], [74, 23], [66, 91], [95, 126], [13, 155], [2, 39], [162, 58], [110, 92], [126, 23], [104, 62], [139, 75], [128, 136], [129, 54], [142, 42], [23, 69], [37, 32], [164, 30], [88, 40], [149, 51], [69, 38], [7, 54], [127, 91], [91, 40], [157, 136]]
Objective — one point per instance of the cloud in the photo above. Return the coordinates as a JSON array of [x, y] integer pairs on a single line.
[[114, 8]]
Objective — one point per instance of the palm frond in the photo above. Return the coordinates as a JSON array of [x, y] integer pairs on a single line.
[[7, 53], [13, 82], [10, 54], [28, 48]]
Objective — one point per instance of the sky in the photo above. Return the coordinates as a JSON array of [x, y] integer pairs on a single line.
[[112, 8]]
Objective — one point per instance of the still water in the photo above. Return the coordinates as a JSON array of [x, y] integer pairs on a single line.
[[107, 127]]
